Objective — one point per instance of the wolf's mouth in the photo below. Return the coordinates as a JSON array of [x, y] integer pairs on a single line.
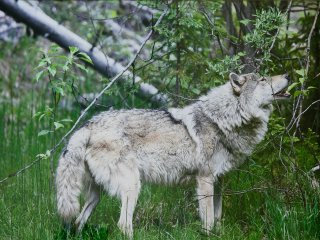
[[282, 94]]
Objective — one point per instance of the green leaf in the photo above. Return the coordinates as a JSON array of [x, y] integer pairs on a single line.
[[37, 114], [59, 90], [42, 116], [113, 14], [82, 67], [38, 75], [48, 153], [58, 125], [52, 70], [46, 60], [305, 92], [42, 63], [300, 72], [245, 21], [301, 80], [184, 84], [196, 91], [43, 132], [297, 93], [73, 50], [85, 57], [292, 86], [48, 110], [66, 120], [54, 48], [65, 68], [62, 57], [311, 87], [241, 54], [44, 155]]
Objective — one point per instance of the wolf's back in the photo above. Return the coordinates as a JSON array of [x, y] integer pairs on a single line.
[[70, 172]]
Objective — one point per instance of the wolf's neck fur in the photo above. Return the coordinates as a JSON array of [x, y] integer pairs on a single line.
[[242, 125], [229, 111]]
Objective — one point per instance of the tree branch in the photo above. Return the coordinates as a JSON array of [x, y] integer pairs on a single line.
[[49, 28], [301, 97]]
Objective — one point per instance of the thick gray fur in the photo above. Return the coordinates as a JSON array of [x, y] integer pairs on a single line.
[[117, 150]]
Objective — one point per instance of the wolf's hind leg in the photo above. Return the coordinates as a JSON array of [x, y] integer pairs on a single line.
[[92, 200], [205, 198]]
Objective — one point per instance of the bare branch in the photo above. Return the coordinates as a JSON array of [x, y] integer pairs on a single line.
[[300, 114], [301, 97]]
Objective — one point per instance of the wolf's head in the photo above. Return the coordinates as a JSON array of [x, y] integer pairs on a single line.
[[259, 91]]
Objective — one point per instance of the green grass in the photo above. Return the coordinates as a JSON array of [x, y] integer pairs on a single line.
[[27, 202]]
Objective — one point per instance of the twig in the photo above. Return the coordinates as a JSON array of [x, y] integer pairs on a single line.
[[300, 114], [209, 20], [277, 33], [309, 38], [307, 67], [239, 192], [153, 60], [184, 98], [317, 76], [257, 189], [296, 102], [92, 103], [85, 99]]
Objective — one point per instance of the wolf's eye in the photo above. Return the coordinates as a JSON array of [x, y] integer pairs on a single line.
[[263, 79]]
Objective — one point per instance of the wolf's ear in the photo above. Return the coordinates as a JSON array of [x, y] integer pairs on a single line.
[[236, 82]]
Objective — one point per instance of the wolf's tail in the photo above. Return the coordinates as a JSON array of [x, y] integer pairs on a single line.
[[70, 174]]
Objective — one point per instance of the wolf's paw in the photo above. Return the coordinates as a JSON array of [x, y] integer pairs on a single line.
[[126, 229], [217, 227]]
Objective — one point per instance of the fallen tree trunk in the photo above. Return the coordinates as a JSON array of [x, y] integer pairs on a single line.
[[44, 25]]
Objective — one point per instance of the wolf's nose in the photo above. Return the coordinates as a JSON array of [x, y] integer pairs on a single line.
[[286, 76]]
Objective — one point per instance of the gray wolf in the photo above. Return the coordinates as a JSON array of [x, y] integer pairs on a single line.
[[117, 150]]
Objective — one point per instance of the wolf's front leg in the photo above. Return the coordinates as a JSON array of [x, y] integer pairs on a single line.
[[217, 199], [205, 198]]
